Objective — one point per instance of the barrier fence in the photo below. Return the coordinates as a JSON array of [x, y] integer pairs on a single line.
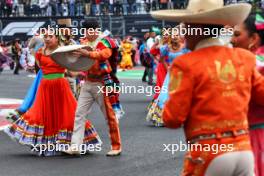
[[120, 26]]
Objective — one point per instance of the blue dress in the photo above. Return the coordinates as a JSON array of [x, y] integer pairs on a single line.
[[155, 111]]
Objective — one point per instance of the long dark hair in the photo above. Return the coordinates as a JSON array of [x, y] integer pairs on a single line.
[[251, 26]]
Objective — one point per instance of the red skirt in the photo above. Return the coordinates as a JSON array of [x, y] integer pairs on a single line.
[[257, 142], [51, 118], [161, 74]]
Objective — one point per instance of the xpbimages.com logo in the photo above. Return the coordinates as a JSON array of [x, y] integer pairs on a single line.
[[183, 147], [55, 30], [83, 148], [183, 30], [130, 89]]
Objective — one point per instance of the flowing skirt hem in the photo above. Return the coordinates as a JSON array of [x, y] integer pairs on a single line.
[[155, 115], [33, 135]]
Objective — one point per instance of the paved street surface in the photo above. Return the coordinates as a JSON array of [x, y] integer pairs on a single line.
[[142, 144]]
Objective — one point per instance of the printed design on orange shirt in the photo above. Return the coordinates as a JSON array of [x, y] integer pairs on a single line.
[[175, 81], [227, 75]]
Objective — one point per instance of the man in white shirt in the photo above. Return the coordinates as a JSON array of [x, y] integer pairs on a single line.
[[150, 42]]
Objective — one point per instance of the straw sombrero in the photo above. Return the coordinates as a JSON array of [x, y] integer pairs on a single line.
[[206, 12], [64, 57]]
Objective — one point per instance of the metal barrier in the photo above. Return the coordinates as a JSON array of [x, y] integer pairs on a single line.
[[120, 26]]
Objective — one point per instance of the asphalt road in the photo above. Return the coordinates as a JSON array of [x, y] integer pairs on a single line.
[[143, 147]]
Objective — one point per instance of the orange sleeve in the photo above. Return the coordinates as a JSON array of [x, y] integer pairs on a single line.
[[180, 88], [257, 94], [101, 55]]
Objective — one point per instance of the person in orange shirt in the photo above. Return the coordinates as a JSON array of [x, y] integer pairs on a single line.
[[97, 77], [210, 89]]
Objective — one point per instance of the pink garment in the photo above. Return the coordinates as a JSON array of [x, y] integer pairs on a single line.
[[257, 143], [256, 117], [260, 51], [161, 74], [256, 112]]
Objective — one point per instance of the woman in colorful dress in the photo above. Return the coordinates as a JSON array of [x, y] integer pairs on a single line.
[[126, 48], [34, 44], [162, 60], [250, 36], [171, 51], [50, 120]]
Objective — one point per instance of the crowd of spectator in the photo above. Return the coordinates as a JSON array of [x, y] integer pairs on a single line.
[[8, 56], [11, 8]]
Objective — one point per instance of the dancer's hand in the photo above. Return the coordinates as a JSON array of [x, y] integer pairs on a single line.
[[81, 75], [81, 52], [88, 48]]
